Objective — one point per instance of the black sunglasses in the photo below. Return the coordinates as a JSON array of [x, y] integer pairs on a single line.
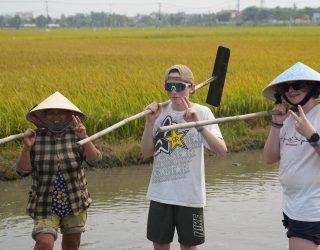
[[284, 87]]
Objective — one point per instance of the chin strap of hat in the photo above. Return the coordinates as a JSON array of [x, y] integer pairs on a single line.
[[305, 99], [278, 98]]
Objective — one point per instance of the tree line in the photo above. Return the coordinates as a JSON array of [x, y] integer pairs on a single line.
[[250, 15]]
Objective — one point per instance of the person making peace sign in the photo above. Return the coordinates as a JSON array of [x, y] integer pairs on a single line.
[[294, 141], [177, 186], [59, 197]]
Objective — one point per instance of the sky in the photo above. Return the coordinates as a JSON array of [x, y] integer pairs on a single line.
[[134, 7]]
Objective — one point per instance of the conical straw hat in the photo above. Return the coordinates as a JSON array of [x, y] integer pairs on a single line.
[[55, 101], [298, 72]]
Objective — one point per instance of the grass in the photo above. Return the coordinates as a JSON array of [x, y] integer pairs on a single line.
[[113, 74]]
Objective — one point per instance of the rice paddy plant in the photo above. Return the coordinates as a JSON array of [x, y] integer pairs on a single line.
[[113, 74]]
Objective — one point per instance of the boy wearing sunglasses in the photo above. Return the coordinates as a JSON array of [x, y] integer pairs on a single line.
[[177, 185], [294, 141]]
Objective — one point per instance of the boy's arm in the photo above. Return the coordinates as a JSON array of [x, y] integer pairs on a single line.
[[147, 143], [215, 143]]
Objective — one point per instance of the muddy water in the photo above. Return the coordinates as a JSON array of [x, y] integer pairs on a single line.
[[243, 208]]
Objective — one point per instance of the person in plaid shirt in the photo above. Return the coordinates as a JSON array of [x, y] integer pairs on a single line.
[[59, 197]]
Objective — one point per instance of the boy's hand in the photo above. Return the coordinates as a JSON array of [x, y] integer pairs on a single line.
[[190, 115], [79, 129], [156, 110], [29, 137]]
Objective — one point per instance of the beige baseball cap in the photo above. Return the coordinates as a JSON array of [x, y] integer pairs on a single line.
[[184, 74], [55, 101]]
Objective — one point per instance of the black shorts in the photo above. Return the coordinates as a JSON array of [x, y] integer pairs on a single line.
[[302, 229], [164, 218]]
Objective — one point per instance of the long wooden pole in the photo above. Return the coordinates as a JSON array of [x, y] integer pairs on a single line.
[[14, 137], [11, 138], [220, 120], [113, 127], [135, 117]]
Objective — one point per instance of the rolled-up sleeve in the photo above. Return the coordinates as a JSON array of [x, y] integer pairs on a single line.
[[21, 172], [95, 161]]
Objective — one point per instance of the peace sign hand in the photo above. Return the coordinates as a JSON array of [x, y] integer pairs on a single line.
[[302, 124], [79, 129], [190, 115]]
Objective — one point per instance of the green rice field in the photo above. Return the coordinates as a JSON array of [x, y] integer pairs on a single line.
[[113, 74]]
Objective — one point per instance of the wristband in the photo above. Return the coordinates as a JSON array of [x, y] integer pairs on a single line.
[[276, 125], [199, 129], [315, 144]]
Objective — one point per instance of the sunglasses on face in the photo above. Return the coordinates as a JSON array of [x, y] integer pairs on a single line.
[[284, 87], [53, 112], [177, 86]]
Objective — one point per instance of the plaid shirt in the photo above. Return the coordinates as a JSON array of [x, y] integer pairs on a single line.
[[49, 155]]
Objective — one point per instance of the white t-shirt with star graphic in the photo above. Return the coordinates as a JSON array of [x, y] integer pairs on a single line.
[[178, 166]]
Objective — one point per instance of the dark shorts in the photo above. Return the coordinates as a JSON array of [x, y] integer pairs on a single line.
[[164, 218], [302, 229]]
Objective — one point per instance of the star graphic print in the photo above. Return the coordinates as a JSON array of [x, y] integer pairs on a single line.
[[167, 141], [176, 139]]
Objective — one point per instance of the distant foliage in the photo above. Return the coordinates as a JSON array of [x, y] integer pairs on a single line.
[[249, 16]]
